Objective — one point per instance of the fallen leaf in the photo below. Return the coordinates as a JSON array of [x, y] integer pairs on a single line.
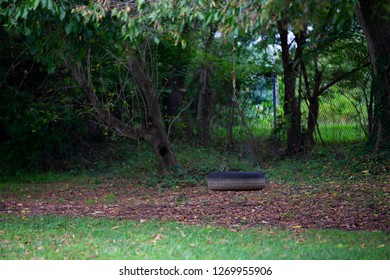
[[157, 237]]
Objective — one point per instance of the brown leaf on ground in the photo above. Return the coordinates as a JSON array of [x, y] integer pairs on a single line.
[[356, 207]]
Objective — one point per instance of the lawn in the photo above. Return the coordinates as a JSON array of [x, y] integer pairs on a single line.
[[324, 206], [49, 237]]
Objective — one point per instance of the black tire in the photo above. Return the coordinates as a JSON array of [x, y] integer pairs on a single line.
[[236, 181]]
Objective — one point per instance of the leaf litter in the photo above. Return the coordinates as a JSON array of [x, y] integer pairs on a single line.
[[359, 206]]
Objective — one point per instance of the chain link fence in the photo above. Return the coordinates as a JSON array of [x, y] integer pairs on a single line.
[[343, 114]]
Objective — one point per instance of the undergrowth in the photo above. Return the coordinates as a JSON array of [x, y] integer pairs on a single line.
[[138, 164], [353, 164]]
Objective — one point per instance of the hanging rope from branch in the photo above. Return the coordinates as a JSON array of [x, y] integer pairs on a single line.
[[234, 98], [236, 181]]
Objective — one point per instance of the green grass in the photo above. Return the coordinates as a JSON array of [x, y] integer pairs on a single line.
[[340, 133], [87, 238], [332, 131]]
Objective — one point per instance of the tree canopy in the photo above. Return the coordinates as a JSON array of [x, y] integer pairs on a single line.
[[129, 58]]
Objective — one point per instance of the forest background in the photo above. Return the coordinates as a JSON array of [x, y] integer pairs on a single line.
[[118, 110]]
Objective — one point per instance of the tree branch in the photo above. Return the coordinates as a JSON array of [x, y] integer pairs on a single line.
[[341, 77], [82, 78]]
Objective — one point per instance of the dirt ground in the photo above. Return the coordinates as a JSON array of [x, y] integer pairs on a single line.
[[356, 207]]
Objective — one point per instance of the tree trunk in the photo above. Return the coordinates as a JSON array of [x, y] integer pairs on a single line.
[[314, 107], [373, 16], [154, 130], [291, 104], [205, 105], [370, 109], [205, 108], [312, 95]]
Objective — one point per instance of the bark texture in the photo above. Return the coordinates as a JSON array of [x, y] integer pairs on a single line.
[[374, 17], [291, 106]]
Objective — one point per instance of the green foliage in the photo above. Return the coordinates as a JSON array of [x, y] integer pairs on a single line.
[[38, 131], [325, 166], [42, 124], [86, 238], [97, 34]]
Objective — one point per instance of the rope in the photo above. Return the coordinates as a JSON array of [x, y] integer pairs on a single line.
[[225, 162], [234, 98]]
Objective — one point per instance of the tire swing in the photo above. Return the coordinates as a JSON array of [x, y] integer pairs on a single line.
[[235, 180]]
